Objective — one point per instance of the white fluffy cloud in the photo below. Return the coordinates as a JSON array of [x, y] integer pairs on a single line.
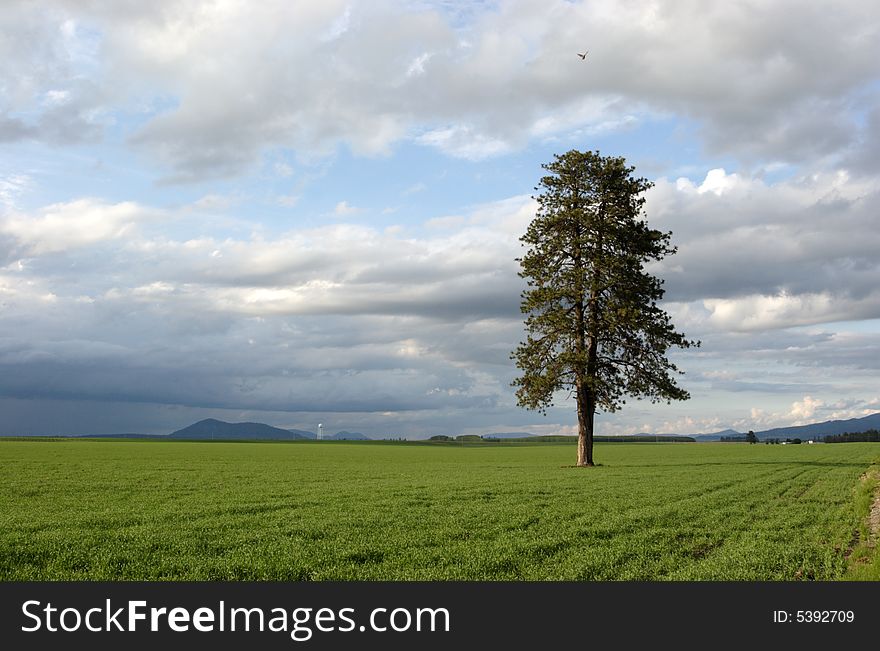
[[803, 411], [215, 83], [76, 224]]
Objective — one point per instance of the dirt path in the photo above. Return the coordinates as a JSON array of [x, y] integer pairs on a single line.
[[874, 520], [874, 514]]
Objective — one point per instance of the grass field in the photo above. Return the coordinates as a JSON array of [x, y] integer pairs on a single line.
[[318, 511]]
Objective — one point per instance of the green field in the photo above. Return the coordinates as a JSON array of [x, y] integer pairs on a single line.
[[75, 509]]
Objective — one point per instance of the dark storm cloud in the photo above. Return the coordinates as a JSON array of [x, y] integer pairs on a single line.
[[105, 309]]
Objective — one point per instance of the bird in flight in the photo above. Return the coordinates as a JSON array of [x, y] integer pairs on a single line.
[[584, 55]]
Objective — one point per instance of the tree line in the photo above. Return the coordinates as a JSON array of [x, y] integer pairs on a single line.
[[870, 436]]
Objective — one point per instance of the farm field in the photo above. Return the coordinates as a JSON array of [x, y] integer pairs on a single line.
[[144, 510]]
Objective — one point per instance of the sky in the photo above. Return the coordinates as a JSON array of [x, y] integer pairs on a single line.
[[300, 212]]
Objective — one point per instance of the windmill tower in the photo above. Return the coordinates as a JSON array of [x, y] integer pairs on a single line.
[[320, 431]]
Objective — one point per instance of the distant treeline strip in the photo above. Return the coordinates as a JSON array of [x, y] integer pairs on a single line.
[[473, 438], [871, 436]]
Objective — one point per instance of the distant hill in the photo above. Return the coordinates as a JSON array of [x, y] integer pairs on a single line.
[[348, 436], [302, 434], [804, 432], [717, 436], [827, 428], [213, 429]]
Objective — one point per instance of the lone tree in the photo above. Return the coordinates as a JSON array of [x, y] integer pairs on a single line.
[[593, 324]]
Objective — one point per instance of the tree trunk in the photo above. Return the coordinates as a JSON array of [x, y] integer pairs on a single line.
[[586, 410], [588, 337]]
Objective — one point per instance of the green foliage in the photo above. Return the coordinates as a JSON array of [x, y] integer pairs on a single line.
[[587, 284], [113, 510]]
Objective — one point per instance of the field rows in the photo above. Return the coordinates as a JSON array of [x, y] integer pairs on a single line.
[[309, 511]]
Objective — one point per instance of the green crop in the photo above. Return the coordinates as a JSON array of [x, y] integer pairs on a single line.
[[141, 510]]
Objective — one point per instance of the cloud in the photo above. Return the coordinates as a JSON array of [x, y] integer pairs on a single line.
[[717, 182], [803, 412], [753, 255], [689, 425], [46, 62], [11, 186], [342, 209], [233, 80], [339, 319], [464, 141], [104, 303], [755, 313], [214, 202], [864, 155], [206, 306], [414, 189], [76, 224], [287, 200], [283, 169]]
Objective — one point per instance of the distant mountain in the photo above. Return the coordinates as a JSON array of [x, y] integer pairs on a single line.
[[212, 429], [804, 432], [827, 428], [717, 436], [302, 434], [348, 436]]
